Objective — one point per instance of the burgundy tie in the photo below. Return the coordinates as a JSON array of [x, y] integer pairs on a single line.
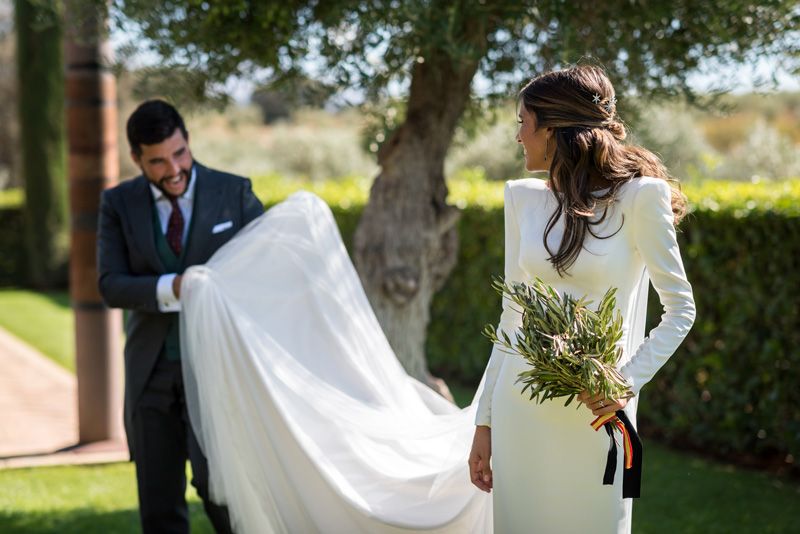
[[175, 227]]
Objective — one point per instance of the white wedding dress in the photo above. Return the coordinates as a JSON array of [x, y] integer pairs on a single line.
[[547, 461], [309, 422]]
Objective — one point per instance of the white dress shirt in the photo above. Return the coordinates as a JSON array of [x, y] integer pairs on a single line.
[[167, 301]]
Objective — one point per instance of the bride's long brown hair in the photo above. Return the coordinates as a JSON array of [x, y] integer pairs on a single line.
[[579, 104]]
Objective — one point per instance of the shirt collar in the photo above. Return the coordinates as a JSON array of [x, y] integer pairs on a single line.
[[158, 194]]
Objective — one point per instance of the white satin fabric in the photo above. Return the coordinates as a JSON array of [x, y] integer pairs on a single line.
[[308, 420], [547, 461]]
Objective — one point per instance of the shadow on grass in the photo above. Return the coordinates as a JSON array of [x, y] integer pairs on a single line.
[[90, 521], [59, 298]]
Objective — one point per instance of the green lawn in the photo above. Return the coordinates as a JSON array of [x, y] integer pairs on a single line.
[[43, 320], [94, 499], [681, 494], [684, 494]]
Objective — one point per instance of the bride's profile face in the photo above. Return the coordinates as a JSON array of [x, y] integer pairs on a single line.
[[534, 141]]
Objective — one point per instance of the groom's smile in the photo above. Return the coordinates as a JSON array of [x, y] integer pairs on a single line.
[[167, 164], [174, 185]]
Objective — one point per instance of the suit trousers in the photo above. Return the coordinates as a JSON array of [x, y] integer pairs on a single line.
[[163, 441]]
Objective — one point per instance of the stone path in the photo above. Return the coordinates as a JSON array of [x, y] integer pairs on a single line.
[[38, 412]]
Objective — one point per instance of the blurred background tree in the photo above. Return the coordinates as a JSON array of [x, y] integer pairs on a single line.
[[42, 136], [8, 99], [277, 103], [430, 52]]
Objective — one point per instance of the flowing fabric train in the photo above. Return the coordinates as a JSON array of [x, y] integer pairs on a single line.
[[309, 422]]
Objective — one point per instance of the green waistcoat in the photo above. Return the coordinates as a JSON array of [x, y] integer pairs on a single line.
[[173, 264]]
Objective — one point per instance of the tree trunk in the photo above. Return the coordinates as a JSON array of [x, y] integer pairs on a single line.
[[42, 138], [406, 242]]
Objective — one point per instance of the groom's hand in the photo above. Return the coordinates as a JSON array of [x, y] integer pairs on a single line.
[[176, 286], [480, 472]]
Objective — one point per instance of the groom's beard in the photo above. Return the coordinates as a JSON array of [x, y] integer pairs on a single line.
[[167, 184]]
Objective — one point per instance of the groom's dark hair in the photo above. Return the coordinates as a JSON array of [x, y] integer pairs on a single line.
[[151, 123]]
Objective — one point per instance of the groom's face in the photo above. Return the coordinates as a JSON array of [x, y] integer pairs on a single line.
[[167, 164]]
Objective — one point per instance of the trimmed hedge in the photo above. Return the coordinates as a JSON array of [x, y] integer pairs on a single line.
[[732, 388], [12, 250]]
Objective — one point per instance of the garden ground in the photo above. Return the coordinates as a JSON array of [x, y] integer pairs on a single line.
[[681, 493]]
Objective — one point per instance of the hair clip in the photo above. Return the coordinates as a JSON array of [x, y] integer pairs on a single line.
[[596, 98], [610, 104]]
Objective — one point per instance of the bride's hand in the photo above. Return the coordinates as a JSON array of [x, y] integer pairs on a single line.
[[599, 404], [479, 470]]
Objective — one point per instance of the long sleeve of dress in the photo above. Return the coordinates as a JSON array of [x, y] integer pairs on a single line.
[[510, 318], [654, 236]]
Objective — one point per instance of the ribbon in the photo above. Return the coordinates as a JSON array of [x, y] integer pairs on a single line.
[[632, 448]]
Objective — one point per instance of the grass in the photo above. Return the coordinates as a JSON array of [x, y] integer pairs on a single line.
[[43, 320], [680, 494], [78, 499]]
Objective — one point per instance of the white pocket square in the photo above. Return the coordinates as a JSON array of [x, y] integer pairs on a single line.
[[221, 227]]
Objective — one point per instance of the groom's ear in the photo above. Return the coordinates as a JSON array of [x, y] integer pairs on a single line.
[[137, 158]]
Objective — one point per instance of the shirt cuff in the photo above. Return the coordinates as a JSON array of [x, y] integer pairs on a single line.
[[167, 301]]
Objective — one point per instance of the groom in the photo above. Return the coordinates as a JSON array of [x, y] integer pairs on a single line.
[[177, 213]]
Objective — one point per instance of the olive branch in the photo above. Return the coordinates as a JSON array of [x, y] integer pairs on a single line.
[[570, 347]]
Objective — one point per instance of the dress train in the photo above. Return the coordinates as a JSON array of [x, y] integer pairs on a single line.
[[309, 422]]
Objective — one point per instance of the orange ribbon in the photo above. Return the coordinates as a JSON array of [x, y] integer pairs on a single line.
[[612, 419]]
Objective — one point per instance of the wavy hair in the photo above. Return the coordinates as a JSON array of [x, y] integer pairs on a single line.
[[579, 104]]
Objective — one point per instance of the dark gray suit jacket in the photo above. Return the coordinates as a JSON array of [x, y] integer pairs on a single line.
[[128, 264]]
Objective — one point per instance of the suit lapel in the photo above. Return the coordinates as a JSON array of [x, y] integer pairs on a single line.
[[204, 213], [141, 215]]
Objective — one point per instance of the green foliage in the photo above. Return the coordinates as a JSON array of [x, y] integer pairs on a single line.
[[735, 145], [11, 198], [12, 255], [314, 145], [653, 47], [492, 149], [43, 139], [732, 388], [317, 153], [569, 344], [740, 200]]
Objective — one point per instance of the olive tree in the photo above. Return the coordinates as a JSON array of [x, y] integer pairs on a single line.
[[433, 53]]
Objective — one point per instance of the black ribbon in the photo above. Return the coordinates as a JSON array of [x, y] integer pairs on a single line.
[[631, 478]]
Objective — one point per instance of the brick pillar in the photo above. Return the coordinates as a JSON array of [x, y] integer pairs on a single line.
[[91, 106]]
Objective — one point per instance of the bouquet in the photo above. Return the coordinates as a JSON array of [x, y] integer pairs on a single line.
[[572, 348]]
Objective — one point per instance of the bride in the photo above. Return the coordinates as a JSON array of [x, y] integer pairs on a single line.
[[310, 423]]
